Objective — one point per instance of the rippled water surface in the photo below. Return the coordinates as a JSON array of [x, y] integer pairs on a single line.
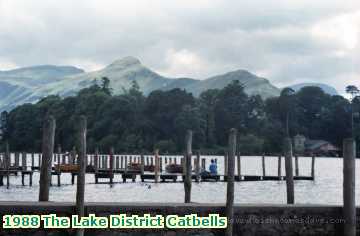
[[326, 189]]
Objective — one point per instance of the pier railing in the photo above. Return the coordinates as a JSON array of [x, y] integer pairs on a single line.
[[151, 167]]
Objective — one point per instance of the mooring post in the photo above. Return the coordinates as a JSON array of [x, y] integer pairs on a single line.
[[230, 182], [59, 154], [313, 167], [80, 190], [289, 171], [225, 165], [296, 165], [96, 160], [182, 163], [111, 165], [47, 151], [23, 161], [126, 167], [187, 182], [239, 164], [156, 166], [279, 167], [117, 162], [197, 166], [73, 154], [74, 160], [16, 164], [32, 161], [142, 164], [161, 164], [263, 165], [39, 160], [7, 164], [349, 211], [203, 164], [121, 162]]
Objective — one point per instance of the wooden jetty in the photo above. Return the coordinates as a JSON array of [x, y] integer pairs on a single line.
[[134, 168]]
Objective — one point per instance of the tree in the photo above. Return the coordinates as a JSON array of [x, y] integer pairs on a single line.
[[207, 104], [231, 110], [286, 104], [4, 126], [105, 85]]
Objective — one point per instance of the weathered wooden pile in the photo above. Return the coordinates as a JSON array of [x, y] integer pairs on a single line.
[[97, 164]]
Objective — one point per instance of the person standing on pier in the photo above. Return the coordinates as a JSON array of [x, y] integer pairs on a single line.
[[213, 167]]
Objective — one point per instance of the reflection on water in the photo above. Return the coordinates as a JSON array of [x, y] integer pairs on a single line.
[[326, 189]]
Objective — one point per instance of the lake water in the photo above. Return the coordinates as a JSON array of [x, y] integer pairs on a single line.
[[326, 189]]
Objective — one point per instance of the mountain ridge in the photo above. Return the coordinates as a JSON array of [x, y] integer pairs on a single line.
[[67, 80]]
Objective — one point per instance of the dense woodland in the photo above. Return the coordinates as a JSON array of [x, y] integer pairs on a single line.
[[134, 123]]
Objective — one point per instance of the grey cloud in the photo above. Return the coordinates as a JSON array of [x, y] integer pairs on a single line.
[[260, 35]]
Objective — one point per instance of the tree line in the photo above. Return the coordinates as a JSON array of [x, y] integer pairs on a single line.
[[134, 123]]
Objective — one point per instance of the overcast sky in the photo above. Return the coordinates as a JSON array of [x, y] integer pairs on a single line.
[[286, 41]]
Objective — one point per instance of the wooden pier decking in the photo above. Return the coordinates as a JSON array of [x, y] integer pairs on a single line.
[[105, 168]]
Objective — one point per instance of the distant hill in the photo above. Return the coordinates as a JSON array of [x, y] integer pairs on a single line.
[[326, 88], [30, 84]]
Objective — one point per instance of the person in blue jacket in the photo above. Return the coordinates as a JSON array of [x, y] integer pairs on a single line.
[[213, 167]]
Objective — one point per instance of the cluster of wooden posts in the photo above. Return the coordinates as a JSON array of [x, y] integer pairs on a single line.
[[100, 165], [152, 168]]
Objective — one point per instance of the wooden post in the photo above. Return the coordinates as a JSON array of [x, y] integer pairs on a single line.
[[182, 163], [296, 165], [263, 165], [23, 161], [226, 164], [7, 164], [197, 167], [203, 164], [142, 164], [96, 160], [289, 171], [239, 164], [230, 182], [47, 151], [126, 167], [17, 156], [187, 182], [156, 166], [59, 154], [313, 167], [80, 190], [32, 160], [279, 167], [121, 162], [63, 159], [349, 211], [117, 162], [161, 164], [39, 160], [111, 165], [73, 155]]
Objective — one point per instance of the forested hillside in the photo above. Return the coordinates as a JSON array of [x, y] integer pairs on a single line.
[[134, 123]]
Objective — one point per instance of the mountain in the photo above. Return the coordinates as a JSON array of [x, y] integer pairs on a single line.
[[32, 83], [17, 86], [253, 85], [326, 88]]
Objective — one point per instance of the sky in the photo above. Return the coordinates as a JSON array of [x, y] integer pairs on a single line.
[[285, 41]]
